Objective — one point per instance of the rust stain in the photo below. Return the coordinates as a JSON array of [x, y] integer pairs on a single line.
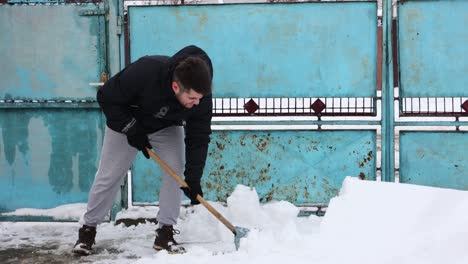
[[329, 189], [223, 136], [362, 176], [268, 196], [219, 146], [264, 175], [306, 193], [262, 145], [366, 159], [242, 140]]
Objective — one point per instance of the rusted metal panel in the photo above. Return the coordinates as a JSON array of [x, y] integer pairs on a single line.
[[302, 167]]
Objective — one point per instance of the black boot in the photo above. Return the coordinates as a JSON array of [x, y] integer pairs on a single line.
[[165, 240], [85, 240]]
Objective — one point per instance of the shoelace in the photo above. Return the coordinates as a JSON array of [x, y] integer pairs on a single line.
[[171, 236]]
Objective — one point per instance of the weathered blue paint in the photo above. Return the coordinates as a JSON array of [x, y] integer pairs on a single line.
[[432, 48], [298, 166], [49, 147], [51, 1], [48, 157], [269, 50], [50, 51], [434, 159]]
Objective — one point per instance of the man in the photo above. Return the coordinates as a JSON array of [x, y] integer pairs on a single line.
[[151, 103]]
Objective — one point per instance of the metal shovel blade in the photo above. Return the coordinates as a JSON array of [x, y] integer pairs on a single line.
[[240, 232]]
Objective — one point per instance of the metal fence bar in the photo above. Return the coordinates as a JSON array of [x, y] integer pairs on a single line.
[[433, 106]]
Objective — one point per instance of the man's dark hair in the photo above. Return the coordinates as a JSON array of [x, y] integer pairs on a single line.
[[194, 73]]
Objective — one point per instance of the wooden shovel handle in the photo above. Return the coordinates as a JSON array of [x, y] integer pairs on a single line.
[[185, 185]]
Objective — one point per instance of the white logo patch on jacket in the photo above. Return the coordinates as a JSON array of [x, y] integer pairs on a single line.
[[162, 112]]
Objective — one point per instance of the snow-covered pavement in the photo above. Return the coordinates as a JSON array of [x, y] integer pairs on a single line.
[[369, 222]]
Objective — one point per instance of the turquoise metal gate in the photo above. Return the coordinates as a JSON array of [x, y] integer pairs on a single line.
[[50, 124], [306, 93], [297, 105], [430, 84]]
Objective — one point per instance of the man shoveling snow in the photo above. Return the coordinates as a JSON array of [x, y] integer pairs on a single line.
[[145, 106]]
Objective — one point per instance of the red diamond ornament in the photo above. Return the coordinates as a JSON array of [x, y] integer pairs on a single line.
[[251, 106], [318, 106], [465, 106]]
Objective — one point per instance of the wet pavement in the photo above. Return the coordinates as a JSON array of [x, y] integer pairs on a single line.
[[36, 255], [51, 254]]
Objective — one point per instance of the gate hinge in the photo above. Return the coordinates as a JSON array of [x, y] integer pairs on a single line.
[[92, 12], [119, 25]]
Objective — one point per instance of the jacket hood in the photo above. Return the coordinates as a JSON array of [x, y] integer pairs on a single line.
[[188, 51]]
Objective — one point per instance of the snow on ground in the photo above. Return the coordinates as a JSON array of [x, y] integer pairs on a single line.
[[369, 222], [64, 212]]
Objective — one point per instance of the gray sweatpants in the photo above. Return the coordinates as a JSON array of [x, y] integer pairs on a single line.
[[117, 157]]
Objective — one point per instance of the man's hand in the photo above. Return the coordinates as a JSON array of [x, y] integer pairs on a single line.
[[192, 191], [140, 141]]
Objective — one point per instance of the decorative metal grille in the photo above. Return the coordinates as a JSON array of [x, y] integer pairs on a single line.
[[434, 106], [305, 106]]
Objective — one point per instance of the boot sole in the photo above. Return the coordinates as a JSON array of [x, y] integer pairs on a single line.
[[82, 251], [178, 251]]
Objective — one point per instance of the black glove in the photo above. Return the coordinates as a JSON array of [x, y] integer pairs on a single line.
[[192, 191], [140, 141]]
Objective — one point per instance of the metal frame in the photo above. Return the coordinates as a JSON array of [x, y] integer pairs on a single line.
[[398, 129], [223, 2], [376, 128]]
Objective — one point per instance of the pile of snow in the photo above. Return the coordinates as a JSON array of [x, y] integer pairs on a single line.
[[369, 222], [397, 223]]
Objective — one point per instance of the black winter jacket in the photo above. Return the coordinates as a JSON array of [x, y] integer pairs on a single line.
[[141, 94]]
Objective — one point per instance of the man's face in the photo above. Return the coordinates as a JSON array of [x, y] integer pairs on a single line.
[[187, 98]]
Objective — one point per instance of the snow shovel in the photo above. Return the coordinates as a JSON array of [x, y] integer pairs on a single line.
[[239, 232]]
